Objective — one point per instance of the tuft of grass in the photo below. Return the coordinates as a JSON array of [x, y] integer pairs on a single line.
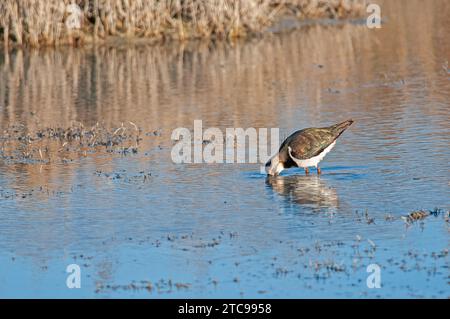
[[53, 22]]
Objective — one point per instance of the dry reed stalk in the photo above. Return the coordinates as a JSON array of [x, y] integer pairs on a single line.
[[39, 22]]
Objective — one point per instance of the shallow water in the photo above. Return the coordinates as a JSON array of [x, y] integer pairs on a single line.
[[224, 230]]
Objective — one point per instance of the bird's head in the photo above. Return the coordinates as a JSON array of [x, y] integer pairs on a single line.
[[274, 166]]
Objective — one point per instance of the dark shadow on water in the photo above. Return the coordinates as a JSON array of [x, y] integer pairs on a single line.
[[310, 192]]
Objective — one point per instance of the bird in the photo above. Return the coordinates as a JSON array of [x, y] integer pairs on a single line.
[[306, 148]]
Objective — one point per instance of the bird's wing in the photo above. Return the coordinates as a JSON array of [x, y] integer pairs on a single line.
[[309, 142]]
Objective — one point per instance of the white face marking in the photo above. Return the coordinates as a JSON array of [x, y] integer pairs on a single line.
[[276, 167]]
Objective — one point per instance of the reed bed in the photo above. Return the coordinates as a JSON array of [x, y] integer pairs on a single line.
[[52, 22]]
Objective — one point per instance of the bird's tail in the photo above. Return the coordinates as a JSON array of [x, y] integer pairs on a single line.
[[339, 128]]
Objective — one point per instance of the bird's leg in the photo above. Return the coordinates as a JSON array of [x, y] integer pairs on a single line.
[[306, 170], [318, 170]]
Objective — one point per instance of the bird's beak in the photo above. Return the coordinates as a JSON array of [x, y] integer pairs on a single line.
[[271, 172], [274, 166]]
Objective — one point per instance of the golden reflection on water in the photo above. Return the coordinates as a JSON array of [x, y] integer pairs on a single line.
[[226, 84]]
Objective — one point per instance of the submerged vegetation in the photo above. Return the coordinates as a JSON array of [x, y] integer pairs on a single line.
[[53, 22], [19, 145]]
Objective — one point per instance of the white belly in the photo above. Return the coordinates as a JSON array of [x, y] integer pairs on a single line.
[[313, 161]]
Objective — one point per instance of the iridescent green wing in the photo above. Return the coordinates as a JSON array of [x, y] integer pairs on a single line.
[[310, 142]]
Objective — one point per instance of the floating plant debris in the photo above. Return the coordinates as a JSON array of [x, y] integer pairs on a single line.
[[415, 216], [22, 145]]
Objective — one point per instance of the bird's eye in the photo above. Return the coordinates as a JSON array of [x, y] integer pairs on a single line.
[[268, 163]]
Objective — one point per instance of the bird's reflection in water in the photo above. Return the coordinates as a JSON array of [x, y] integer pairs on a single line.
[[309, 191]]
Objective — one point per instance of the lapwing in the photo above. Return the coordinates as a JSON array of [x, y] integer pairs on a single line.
[[306, 148]]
